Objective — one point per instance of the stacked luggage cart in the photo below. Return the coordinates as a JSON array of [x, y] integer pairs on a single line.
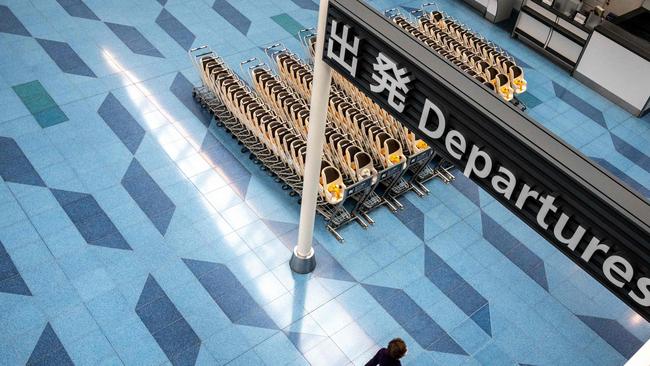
[[369, 159], [473, 54]]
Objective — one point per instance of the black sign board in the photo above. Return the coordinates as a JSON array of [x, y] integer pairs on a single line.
[[589, 215]]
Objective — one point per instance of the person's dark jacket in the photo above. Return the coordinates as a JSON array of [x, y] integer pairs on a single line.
[[382, 358]]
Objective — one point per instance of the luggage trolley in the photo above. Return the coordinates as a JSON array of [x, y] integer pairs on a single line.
[[214, 73], [202, 94], [356, 191], [283, 102], [419, 167], [341, 108]]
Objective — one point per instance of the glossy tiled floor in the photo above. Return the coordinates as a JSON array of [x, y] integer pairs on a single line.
[[132, 231]]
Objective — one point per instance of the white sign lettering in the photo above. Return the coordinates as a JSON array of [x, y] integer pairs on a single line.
[[616, 269], [344, 48], [389, 77], [424, 120]]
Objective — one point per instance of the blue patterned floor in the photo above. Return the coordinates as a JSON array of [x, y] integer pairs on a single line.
[[130, 234]]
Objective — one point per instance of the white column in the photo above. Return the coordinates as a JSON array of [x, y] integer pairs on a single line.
[[303, 260]]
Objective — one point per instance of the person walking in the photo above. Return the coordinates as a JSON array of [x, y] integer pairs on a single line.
[[390, 355]]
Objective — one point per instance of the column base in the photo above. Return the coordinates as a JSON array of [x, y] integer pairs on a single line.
[[300, 264]]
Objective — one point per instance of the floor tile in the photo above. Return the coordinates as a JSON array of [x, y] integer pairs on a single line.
[[239, 216], [326, 353], [277, 350]]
